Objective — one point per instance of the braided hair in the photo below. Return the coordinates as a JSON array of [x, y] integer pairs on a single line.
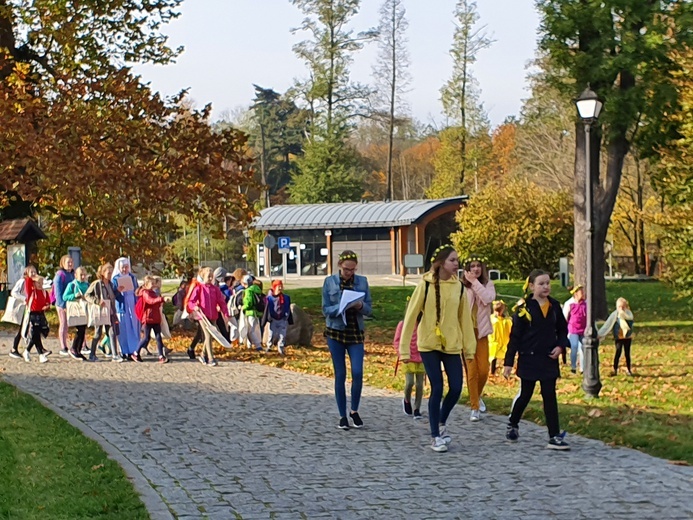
[[439, 256]]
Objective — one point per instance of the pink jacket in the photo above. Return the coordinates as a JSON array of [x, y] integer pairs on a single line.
[[483, 296], [414, 355], [210, 299]]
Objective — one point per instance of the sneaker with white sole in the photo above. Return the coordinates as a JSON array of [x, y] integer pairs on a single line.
[[64, 352], [356, 420], [43, 358], [343, 423], [406, 407], [26, 356], [14, 354], [417, 415], [557, 443], [512, 433], [482, 405], [439, 445], [443, 434], [475, 416]]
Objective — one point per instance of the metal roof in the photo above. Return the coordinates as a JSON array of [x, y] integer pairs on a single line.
[[350, 214]]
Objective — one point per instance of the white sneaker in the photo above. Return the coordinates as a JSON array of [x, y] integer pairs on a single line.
[[43, 358], [26, 356], [443, 434], [482, 405], [439, 445], [476, 416]]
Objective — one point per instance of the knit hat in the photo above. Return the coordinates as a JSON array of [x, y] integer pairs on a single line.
[[219, 274]]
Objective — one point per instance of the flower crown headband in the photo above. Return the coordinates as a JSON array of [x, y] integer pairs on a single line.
[[475, 258], [576, 289], [348, 256], [438, 250]]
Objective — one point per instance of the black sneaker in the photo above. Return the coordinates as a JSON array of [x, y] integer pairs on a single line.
[[557, 443], [343, 423], [14, 354], [417, 414], [512, 433], [406, 406], [191, 353], [356, 420]]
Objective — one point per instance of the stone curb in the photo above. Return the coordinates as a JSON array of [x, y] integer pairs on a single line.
[[156, 507]]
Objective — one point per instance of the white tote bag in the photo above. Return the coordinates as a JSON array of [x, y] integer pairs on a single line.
[[99, 315], [165, 331], [77, 314], [14, 311]]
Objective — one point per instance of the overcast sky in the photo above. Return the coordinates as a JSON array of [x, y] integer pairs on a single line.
[[231, 44]]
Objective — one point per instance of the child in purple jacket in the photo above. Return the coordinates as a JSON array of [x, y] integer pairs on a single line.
[[575, 312]]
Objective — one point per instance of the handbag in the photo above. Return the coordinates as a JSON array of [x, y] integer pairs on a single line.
[[165, 331], [14, 311], [99, 315], [77, 312]]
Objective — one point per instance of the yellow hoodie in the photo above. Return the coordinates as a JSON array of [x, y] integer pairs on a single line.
[[456, 325]]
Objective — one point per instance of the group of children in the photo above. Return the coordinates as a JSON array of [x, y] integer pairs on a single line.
[[538, 334], [235, 305]]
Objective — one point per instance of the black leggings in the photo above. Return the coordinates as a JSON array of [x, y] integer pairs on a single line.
[[78, 340], [18, 337], [548, 395], [148, 328], [622, 344], [199, 336]]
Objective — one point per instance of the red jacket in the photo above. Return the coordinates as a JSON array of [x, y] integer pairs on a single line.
[[152, 304], [40, 301]]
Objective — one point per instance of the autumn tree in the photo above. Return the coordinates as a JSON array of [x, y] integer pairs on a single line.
[[517, 225], [622, 50], [390, 74], [91, 150], [673, 179]]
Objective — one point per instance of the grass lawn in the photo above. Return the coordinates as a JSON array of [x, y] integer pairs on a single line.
[[50, 470], [652, 411]]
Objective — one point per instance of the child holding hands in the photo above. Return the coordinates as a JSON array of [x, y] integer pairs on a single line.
[[539, 335]]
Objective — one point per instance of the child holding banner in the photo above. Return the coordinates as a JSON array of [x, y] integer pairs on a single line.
[[208, 300]]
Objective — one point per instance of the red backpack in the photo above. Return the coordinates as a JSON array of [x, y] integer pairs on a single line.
[[139, 309]]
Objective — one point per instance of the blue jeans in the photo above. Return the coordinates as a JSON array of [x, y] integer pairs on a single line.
[[575, 346], [452, 363], [338, 351]]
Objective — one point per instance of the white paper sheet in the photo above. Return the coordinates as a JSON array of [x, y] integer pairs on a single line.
[[126, 282], [349, 297]]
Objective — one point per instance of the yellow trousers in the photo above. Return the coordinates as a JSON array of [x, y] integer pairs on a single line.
[[477, 372]]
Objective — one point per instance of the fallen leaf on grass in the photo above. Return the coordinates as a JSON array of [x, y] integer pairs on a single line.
[[595, 412], [678, 462], [98, 466]]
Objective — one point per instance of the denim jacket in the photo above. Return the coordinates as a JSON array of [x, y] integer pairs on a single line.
[[331, 296]]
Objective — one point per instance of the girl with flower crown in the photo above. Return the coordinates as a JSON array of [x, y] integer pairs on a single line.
[[481, 293], [439, 310], [344, 333]]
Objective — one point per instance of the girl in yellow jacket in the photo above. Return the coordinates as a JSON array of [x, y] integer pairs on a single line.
[[440, 311], [499, 338]]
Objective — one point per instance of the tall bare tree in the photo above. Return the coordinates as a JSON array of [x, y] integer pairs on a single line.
[[460, 95], [390, 74]]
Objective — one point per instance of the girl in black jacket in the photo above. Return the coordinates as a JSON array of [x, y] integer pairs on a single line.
[[540, 335]]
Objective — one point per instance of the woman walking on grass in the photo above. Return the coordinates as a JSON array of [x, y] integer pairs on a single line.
[[345, 334], [441, 309]]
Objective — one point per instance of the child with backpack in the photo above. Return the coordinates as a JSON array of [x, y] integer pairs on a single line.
[[414, 374], [237, 329], [253, 308], [149, 313], [38, 301], [278, 314]]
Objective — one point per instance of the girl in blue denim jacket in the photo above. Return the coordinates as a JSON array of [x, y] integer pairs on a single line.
[[344, 333]]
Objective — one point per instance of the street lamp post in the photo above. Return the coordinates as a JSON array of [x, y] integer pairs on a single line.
[[589, 106]]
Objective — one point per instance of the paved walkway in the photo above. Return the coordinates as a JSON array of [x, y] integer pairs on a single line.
[[253, 442]]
